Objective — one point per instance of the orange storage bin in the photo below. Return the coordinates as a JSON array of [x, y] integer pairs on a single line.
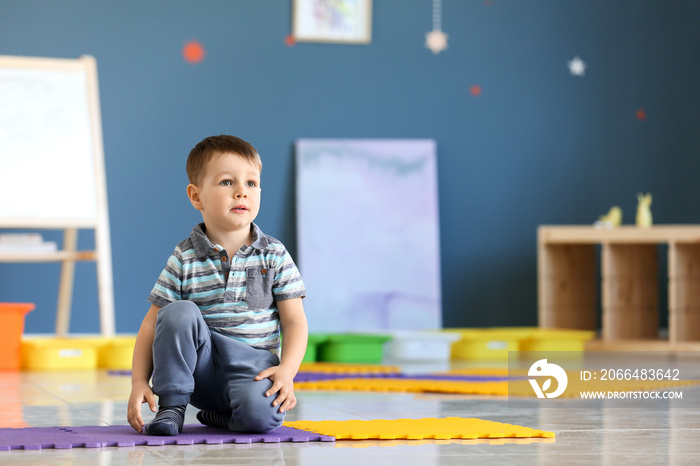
[[11, 329]]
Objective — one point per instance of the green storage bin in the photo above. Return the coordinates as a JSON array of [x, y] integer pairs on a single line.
[[355, 348], [313, 341]]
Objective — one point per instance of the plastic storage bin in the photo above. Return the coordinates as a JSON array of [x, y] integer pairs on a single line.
[[313, 341], [493, 344], [54, 353], [43, 354], [419, 346], [357, 348], [11, 329], [488, 344], [116, 353], [543, 339]]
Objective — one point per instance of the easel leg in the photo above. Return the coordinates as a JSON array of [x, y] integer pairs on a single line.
[[105, 286], [65, 287]]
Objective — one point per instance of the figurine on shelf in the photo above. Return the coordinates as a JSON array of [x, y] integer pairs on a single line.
[[644, 218], [610, 220]]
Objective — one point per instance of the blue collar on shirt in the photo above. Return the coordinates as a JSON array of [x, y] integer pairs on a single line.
[[203, 246]]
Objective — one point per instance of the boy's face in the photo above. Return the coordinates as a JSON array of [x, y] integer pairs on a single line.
[[228, 196]]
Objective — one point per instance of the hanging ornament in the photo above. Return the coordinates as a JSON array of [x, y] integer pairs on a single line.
[[577, 67], [436, 40]]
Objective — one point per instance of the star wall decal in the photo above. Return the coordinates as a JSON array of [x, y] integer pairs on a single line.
[[193, 52], [436, 41], [577, 67]]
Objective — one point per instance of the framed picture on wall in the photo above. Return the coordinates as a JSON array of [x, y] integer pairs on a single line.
[[334, 21]]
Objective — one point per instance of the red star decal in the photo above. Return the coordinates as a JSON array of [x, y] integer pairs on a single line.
[[475, 90], [641, 114], [193, 52], [289, 40]]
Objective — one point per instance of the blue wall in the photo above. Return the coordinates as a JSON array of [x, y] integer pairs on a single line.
[[538, 146]]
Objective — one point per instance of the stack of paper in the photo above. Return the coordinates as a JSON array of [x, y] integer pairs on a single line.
[[21, 243]]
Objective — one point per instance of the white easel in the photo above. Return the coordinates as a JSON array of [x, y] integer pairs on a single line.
[[52, 173]]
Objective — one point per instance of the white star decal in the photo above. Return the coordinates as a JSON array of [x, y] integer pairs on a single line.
[[436, 41], [577, 67]]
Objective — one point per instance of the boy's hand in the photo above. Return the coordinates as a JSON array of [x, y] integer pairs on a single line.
[[140, 393], [282, 383]]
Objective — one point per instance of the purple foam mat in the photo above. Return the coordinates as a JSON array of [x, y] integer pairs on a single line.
[[316, 376], [37, 438]]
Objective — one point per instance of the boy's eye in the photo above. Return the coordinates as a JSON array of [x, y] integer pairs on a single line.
[[226, 183], [251, 184]]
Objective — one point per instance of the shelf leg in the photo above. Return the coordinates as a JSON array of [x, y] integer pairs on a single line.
[[684, 292], [630, 291], [567, 291]]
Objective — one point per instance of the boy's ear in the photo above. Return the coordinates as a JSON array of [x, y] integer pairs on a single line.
[[193, 194]]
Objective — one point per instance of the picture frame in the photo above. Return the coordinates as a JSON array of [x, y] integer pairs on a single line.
[[332, 21]]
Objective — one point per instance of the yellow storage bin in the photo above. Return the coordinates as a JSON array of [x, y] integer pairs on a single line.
[[54, 353], [543, 339], [493, 344], [488, 344], [43, 354], [116, 353]]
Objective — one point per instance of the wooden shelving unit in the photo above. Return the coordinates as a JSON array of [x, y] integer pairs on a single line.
[[629, 292]]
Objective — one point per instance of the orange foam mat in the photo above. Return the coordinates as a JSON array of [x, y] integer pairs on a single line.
[[416, 429], [407, 385], [340, 368]]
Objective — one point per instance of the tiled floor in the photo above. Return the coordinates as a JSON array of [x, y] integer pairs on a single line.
[[600, 434]]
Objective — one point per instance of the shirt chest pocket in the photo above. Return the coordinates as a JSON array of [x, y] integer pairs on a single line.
[[258, 282]]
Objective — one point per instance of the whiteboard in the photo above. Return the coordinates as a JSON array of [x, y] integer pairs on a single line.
[[52, 171], [51, 160]]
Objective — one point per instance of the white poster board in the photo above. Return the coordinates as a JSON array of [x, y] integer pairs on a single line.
[[52, 166], [368, 234]]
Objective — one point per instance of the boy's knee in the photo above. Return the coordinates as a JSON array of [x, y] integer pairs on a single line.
[[254, 412], [260, 421], [178, 315]]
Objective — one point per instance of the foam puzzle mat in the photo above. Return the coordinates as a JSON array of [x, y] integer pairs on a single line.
[[313, 376], [347, 368], [491, 371], [38, 438], [479, 386], [415, 429], [575, 386], [410, 385]]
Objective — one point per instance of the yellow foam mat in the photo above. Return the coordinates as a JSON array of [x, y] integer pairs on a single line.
[[498, 388], [494, 371], [575, 386], [416, 429], [413, 442], [407, 385], [340, 368]]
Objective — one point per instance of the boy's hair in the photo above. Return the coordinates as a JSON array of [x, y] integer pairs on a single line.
[[203, 152]]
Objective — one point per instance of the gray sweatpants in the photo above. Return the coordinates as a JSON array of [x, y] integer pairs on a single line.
[[210, 371]]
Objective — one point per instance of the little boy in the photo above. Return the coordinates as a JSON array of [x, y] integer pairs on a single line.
[[212, 335]]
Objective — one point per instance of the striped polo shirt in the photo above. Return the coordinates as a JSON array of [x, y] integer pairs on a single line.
[[236, 294]]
